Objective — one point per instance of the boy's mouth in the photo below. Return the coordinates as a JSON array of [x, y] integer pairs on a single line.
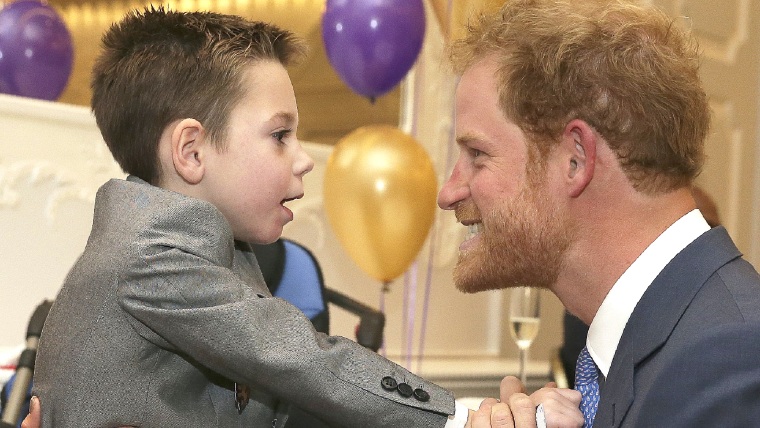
[[284, 201]]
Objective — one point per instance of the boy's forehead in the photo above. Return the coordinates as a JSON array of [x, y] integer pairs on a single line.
[[268, 92]]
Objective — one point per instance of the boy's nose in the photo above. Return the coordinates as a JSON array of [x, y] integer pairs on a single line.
[[304, 163]]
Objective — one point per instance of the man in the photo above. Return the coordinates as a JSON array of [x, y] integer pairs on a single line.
[[581, 126]]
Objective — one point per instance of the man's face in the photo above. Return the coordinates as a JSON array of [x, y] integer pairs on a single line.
[[502, 193]]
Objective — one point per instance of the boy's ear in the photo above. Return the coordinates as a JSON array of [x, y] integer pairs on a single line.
[[579, 155], [188, 143]]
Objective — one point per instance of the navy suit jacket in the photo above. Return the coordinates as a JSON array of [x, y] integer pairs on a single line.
[[677, 356]]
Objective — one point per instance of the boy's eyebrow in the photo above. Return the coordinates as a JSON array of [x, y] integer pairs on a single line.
[[285, 116]]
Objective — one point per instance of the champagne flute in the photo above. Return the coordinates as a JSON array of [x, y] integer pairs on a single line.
[[524, 319]]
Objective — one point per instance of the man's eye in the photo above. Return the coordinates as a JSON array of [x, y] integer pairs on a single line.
[[476, 153]]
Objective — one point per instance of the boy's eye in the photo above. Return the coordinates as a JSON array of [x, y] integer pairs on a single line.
[[280, 135]]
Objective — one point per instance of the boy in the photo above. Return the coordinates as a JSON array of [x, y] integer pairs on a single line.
[[165, 320]]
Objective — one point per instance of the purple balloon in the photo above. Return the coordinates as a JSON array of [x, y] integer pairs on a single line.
[[36, 52], [372, 44]]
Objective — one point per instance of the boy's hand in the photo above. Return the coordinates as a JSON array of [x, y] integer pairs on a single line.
[[32, 420]]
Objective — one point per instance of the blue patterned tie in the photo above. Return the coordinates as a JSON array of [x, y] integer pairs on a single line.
[[587, 383]]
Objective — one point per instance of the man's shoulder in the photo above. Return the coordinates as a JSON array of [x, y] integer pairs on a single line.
[[714, 381]]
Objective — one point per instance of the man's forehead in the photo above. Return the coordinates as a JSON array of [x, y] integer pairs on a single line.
[[481, 71]]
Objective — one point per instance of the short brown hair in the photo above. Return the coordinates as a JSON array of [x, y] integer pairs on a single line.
[[158, 66], [627, 70]]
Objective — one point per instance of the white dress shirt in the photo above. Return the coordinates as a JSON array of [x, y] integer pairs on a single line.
[[459, 420], [609, 322]]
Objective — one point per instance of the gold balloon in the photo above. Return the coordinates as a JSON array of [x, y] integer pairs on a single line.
[[379, 194]]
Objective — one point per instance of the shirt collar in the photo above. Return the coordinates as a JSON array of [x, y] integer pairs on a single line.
[[610, 320]]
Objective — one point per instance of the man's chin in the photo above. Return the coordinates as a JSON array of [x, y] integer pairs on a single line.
[[470, 277], [472, 288], [469, 283]]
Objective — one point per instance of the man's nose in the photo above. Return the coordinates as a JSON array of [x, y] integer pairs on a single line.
[[454, 190]]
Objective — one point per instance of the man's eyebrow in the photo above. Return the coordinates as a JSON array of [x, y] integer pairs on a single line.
[[466, 139]]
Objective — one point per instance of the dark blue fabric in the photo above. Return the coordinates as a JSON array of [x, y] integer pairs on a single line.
[[7, 388], [728, 396], [301, 282], [705, 286], [587, 383]]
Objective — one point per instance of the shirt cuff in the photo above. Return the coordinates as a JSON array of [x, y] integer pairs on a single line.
[[459, 419]]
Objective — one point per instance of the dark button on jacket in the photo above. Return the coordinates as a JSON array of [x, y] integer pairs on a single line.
[[421, 395], [405, 390], [388, 383]]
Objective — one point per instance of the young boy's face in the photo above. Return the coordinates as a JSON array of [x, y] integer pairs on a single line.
[[263, 164]]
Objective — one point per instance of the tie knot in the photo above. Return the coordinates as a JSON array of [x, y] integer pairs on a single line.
[[586, 370]]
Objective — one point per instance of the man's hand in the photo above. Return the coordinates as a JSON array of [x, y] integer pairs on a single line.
[[32, 420], [491, 414], [561, 406], [518, 410]]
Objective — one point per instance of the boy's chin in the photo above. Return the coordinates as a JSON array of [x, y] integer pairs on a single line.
[[262, 242], [259, 237]]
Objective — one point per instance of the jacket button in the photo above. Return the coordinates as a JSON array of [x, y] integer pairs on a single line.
[[421, 395], [388, 383], [405, 390]]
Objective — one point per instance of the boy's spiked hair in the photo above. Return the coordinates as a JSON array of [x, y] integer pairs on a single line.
[[158, 66]]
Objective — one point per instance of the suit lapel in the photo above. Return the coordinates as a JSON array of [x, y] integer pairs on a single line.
[[657, 314]]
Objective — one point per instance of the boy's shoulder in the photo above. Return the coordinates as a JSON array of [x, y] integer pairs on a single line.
[[135, 193], [152, 208]]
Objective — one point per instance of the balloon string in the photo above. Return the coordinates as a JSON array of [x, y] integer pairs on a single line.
[[426, 301], [419, 75], [411, 278], [405, 311], [383, 291]]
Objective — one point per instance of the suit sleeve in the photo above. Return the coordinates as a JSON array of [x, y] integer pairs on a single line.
[[183, 295], [714, 382]]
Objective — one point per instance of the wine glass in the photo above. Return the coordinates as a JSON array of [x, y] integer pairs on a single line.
[[524, 319]]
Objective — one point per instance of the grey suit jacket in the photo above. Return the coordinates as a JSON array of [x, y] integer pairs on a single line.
[[701, 298], [163, 312]]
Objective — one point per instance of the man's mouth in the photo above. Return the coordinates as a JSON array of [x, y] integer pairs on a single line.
[[473, 230]]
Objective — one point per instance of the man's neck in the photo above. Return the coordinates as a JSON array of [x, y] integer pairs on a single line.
[[611, 236]]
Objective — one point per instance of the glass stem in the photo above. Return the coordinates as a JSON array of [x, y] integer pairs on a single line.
[[524, 367]]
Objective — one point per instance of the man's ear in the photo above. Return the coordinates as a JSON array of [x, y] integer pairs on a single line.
[[188, 143], [579, 155]]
